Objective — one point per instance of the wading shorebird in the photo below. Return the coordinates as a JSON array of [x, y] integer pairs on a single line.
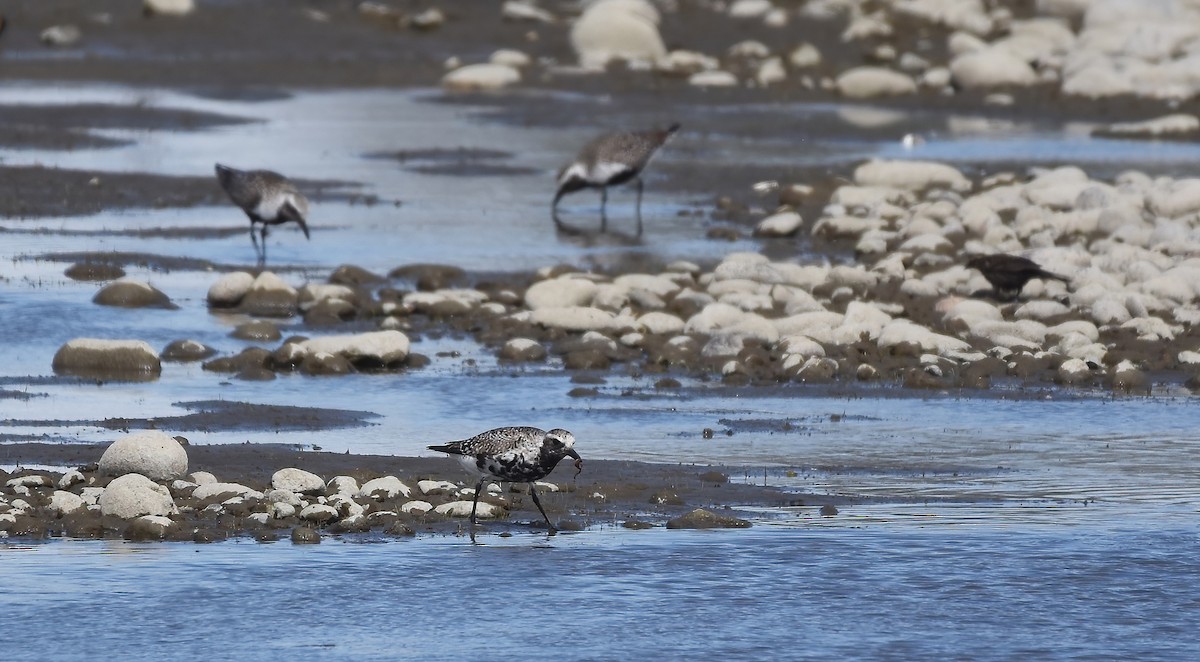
[[266, 197], [611, 160], [1008, 274], [513, 454]]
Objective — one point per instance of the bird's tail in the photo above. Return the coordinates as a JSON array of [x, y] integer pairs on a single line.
[[673, 128]]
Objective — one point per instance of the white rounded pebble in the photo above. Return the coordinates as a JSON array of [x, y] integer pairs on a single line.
[[298, 481], [479, 77], [387, 487], [134, 495], [463, 509], [152, 453]]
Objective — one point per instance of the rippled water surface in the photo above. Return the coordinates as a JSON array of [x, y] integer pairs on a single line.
[[888, 590], [1057, 527]]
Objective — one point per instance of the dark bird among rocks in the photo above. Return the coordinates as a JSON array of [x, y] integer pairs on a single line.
[[267, 197], [1008, 274], [611, 160], [513, 454]]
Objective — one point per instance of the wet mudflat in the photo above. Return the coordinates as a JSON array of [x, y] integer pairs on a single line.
[[1014, 516]]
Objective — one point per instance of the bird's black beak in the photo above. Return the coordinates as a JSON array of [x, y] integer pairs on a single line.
[[578, 461], [303, 226]]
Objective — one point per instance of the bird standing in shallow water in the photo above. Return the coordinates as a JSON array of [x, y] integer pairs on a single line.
[[610, 160], [266, 197], [1008, 274], [513, 454]]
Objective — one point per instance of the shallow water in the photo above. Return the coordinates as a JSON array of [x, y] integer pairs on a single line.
[[892, 590], [983, 527]]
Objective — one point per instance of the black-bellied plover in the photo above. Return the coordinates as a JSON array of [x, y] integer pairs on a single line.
[[610, 160], [513, 454], [267, 197], [1008, 274]]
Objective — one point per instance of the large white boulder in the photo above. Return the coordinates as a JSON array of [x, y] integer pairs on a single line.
[[168, 7], [910, 175], [229, 289], [478, 77], [993, 67], [65, 503], [380, 347], [387, 487], [270, 296], [463, 509], [901, 331], [298, 481], [113, 359], [134, 495], [870, 82], [617, 30], [151, 453], [579, 318], [557, 292]]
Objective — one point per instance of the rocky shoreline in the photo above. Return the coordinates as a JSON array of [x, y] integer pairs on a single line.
[[907, 311], [150, 486], [861, 279]]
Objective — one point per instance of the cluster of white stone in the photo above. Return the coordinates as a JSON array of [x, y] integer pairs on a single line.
[[1086, 48], [151, 484]]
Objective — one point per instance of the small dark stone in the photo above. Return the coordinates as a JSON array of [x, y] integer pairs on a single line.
[[703, 519], [582, 392], [303, 535], [184, 351], [667, 382], [326, 364], [636, 524], [586, 359], [707, 433], [92, 271], [723, 234], [569, 525], [828, 510], [251, 357], [141, 529], [415, 360], [131, 294], [663, 497], [714, 477], [429, 277], [259, 330], [399, 529], [266, 536], [350, 275], [206, 536]]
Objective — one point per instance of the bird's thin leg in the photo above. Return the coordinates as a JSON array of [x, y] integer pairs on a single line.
[[475, 505], [254, 240], [639, 206], [603, 208], [538, 503], [263, 235]]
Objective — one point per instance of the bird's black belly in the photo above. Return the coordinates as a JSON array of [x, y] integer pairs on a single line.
[[621, 177]]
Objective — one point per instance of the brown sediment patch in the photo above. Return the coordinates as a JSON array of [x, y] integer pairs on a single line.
[[212, 415], [32, 191], [36, 191], [460, 162], [608, 493], [63, 126]]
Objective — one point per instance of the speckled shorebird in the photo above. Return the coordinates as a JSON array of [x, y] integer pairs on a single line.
[[513, 454], [1008, 274], [610, 160], [266, 197]]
